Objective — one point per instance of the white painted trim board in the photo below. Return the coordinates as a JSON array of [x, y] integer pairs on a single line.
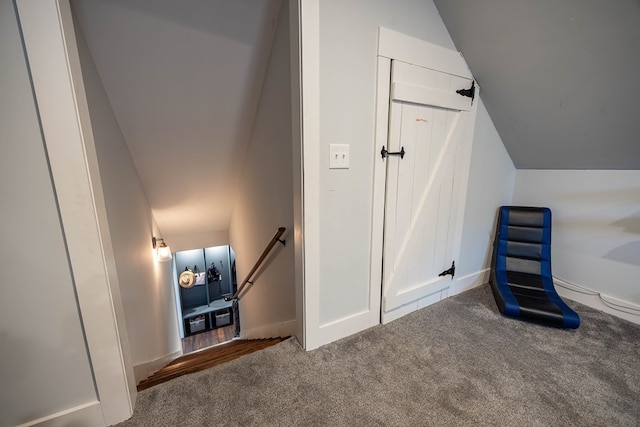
[[310, 88], [144, 370], [57, 80], [592, 299], [89, 415], [395, 45], [456, 286]]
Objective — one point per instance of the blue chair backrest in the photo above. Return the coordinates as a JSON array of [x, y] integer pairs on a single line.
[[524, 241]]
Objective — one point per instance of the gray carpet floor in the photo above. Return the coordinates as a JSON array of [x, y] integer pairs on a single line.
[[455, 363]]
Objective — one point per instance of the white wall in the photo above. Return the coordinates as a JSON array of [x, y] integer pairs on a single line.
[[347, 89], [265, 202], [596, 226], [348, 43], [491, 182], [203, 239], [146, 286], [44, 365]]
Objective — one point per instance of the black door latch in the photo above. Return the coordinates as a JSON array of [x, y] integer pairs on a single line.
[[386, 153]]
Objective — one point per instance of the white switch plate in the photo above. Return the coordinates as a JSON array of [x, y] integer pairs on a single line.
[[339, 156]]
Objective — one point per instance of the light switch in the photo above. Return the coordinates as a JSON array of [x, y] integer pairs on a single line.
[[339, 156]]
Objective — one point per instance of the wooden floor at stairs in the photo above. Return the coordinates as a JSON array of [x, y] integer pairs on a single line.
[[208, 338], [205, 359]]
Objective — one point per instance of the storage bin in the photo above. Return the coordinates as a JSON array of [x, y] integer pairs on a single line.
[[197, 324], [223, 319]]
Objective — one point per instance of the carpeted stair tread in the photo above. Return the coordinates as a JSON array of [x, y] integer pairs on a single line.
[[205, 359]]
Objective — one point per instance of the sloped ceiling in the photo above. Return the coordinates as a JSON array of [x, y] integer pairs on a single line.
[[184, 83], [559, 78]]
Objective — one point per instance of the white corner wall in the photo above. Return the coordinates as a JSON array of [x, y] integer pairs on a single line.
[[265, 202], [491, 183], [338, 216], [44, 365], [595, 234], [146, 286]]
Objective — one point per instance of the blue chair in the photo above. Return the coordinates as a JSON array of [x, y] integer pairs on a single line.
[[521, 278]]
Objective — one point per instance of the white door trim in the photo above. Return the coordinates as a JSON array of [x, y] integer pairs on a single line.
[[426, 96], [396, 46], [296, 138], [310, 125], [52, 53], [379, 180]]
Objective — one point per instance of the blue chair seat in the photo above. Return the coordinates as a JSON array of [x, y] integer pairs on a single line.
[[521, 278]]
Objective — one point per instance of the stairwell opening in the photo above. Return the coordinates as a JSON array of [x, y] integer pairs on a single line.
[[204, 280]]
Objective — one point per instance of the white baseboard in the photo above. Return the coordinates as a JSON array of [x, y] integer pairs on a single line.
[[337, 329], [360, 321], [459, 285], [597, 301], [398, 312], [392, 303], [470, 281], [282, 329], [89, 414], [422, 302], [144, 370]]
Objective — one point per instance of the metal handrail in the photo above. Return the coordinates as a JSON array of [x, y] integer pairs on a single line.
[[275, 239], [247, 281]]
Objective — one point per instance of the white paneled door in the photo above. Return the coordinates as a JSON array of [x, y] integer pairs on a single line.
[[425, 188]]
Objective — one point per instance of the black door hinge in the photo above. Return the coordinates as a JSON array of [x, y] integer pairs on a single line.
[[450, 271], [471, 92]]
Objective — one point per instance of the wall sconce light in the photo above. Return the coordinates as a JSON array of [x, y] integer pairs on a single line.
[[163, 252]]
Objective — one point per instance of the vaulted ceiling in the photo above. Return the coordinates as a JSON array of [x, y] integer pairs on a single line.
[[559, 78], [184, 84]]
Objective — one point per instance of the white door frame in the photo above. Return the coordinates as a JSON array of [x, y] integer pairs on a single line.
[[49, 39], [396, 46], [310, 152]]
